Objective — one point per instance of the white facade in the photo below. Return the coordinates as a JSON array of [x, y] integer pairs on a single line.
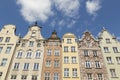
[[28, 58]]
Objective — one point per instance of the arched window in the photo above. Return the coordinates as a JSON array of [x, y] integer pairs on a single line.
[[19, 55], [38, 54], [29, 53]]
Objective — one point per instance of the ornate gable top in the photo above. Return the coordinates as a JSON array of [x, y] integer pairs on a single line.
[[54, 36]]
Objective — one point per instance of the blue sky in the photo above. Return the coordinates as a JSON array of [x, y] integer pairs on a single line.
[[64, 16]]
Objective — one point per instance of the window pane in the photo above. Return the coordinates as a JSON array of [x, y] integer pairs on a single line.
[[4, 61], [8, 50], [66, 72], [74, 72], [7, 39], [113, 73], [49, 52], [65, 48], [86, 53]]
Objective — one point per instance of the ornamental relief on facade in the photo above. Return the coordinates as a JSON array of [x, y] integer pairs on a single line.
[[88, 42]]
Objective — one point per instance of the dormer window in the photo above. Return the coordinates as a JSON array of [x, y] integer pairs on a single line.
[[107, 40], [69, 41], [31, 43], [33, 33]]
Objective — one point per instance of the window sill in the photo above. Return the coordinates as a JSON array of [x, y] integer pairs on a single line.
[[106, 52], [98, 68], [75, 77], [35, 70], [114, 77], [25, 70], [66, 77], [15, 69], [110, 63], [88, 68]]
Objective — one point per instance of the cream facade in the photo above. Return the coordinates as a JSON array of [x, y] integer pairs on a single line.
[[8, 41], [28, 58], [111, 52], [70, 61]]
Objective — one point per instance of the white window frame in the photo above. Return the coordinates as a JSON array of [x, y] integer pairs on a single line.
[[66, 72]]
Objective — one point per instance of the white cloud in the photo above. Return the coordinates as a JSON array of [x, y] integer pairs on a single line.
[[68, 7], [42, 10], [93, 6], [35, 10], [66, 23]]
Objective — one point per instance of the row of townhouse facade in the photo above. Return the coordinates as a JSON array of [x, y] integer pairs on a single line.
[[33, 57]]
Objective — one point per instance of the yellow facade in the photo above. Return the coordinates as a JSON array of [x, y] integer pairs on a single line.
[[70, 66], [8, 41], [111, 52]]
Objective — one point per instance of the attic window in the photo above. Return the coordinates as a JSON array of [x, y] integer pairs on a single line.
[[33, 33], [7, 31], [107, 40]]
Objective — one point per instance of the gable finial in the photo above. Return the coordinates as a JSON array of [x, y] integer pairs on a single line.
[[36, 23], [104, 28]]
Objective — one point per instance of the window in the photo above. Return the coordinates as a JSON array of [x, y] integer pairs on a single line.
[[56, 63], [66, 72], [48, 63], [49, 52], [29, 53], [113, 73], [107, 40], [65, 48], [69, 41], [1, 49], [36, 66], [38, 45], [1, 38], [56, 43], [13, 77], [47, 76], [87, 64], [57, 52], [115, 49], [23, 77], [95, 53], [33, 33], [7, 39], [89, 76], [8, 50], [106, 50], [97, 64], [56, 76], [109, 60], [100, 76], [31, 43], [19, 55], [74, 60], [66, 59], [72, 48], [16, 66], [4, 61], [34, 77], [1, 74], [38, 54], [74, 72], [118, 60], [26, 66], [86, 53]]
